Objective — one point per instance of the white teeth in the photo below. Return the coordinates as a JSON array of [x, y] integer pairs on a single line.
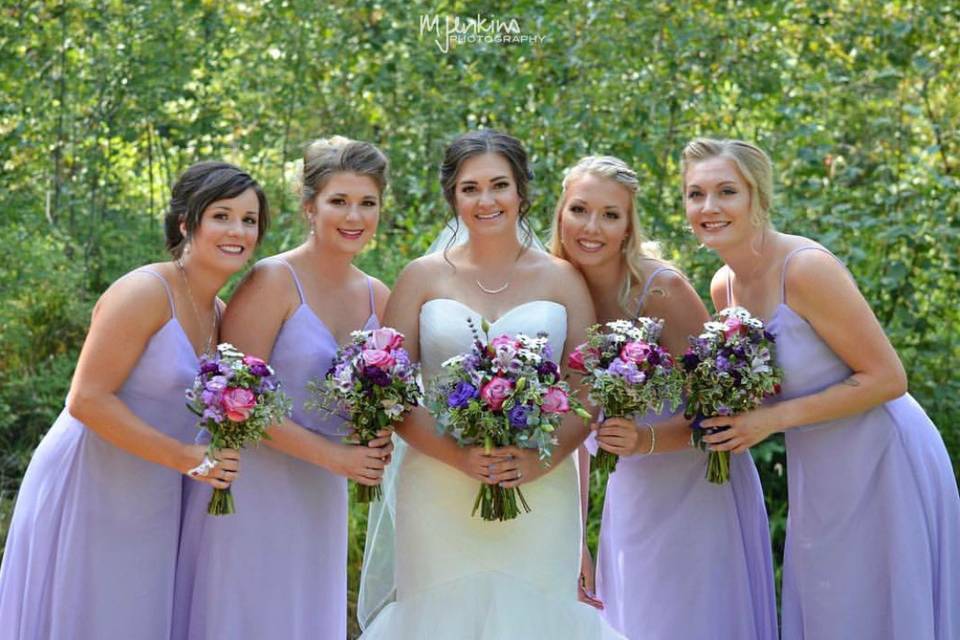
[[590, 245], [488, 216], [231, 248], [715, 225], [351, 233]]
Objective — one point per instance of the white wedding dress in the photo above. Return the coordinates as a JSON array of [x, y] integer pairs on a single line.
[[459, 577]]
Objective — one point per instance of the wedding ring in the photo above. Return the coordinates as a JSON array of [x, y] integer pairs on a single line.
[[204, 468]]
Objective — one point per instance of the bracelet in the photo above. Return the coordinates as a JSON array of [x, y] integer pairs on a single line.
[[653, 439]]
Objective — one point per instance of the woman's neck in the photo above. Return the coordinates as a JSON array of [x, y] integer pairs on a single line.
[[604, 282], [332, 266], [751, 260]]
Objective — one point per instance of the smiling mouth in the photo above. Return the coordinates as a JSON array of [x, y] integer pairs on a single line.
[[591, 246], [232, 249], [489, 216], [350, 234], [714, 225]]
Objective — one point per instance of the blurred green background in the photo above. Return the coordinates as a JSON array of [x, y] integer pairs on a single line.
[[105, 102]]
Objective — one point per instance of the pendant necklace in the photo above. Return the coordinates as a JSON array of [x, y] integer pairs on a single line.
[[196, 314]]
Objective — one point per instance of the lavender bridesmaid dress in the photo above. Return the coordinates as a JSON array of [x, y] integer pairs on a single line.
[[681, 558], [277, 568], [92, 546], [873, 532]]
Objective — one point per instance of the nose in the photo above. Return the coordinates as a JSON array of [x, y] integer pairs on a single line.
[[353, 212], [593, 222], [486, 198], [710, 203]]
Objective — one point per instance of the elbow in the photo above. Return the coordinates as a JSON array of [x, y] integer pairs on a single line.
[[897, 385], [79, 403]]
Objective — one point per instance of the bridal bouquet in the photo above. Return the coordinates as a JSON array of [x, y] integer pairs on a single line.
[[627, 371], [503, 392], [237, 397], [730, 370], [373, 382]]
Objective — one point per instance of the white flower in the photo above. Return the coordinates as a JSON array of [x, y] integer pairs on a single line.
[[454, 361]]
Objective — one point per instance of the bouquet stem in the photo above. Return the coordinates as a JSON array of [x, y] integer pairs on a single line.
[[221, 503], [718, 467], [499, 503], [606, 461], [366, 494]]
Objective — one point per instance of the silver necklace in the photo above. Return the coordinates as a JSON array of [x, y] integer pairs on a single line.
[[505, 286], [207, 347]]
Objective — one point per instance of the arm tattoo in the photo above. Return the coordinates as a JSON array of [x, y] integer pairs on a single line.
[[851, 382]]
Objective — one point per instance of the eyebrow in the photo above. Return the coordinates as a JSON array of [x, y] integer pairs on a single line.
[[494, 179]]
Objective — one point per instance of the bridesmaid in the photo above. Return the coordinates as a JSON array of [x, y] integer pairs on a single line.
[[678, 557], [873, 534], [277, 568], [91, 550]]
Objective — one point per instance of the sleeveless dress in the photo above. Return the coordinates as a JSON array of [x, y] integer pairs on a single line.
[[277, 568], [873, 532], [92, 546], [459, 577], [682, 558]]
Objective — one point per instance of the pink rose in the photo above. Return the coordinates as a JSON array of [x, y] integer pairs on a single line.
[[386, 339], [495, 392], [505, 340], [555, 401], [575, 361], [732, 327], [635, 352], [378, 358], [238, 403]]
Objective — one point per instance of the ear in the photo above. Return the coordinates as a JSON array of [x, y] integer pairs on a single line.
[[183, 227]]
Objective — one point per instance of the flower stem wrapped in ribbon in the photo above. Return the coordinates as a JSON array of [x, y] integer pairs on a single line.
[[627, 372], [236, 397], [503, 392], [373, 382], [730, 370]]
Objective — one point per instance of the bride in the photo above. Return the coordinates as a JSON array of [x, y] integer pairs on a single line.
[[457, 576]]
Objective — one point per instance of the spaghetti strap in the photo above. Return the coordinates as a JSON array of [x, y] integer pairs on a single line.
[[647, 285], [729, 288], [373, 307], [296, 280], [166, 287], [786, 261]]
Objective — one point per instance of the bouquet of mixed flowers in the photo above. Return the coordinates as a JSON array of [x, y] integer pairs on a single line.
[[504, 392], [373, 382], [237, 397], [627, 371], [730, 370]]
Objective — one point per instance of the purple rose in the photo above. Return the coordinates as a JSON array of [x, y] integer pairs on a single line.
[[518, 416], [461, 395]]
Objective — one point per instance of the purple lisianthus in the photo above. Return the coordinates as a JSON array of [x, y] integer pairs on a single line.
[[690, 361], [653, 357], [518, 415], [722, 363], [211, 413], [548, 368], [626, 370], [209, 366], [461, 395], [377, 376]]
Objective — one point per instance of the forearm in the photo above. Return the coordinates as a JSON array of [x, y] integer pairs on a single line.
[[417, 429], [584, 459], [856, 394], [111, 419], [672, 434], [298, 442]]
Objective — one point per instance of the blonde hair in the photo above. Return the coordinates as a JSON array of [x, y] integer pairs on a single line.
[[638, 248], [752, 162], [325, 157]]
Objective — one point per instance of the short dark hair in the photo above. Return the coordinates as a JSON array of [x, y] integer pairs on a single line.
[[200, 186]]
